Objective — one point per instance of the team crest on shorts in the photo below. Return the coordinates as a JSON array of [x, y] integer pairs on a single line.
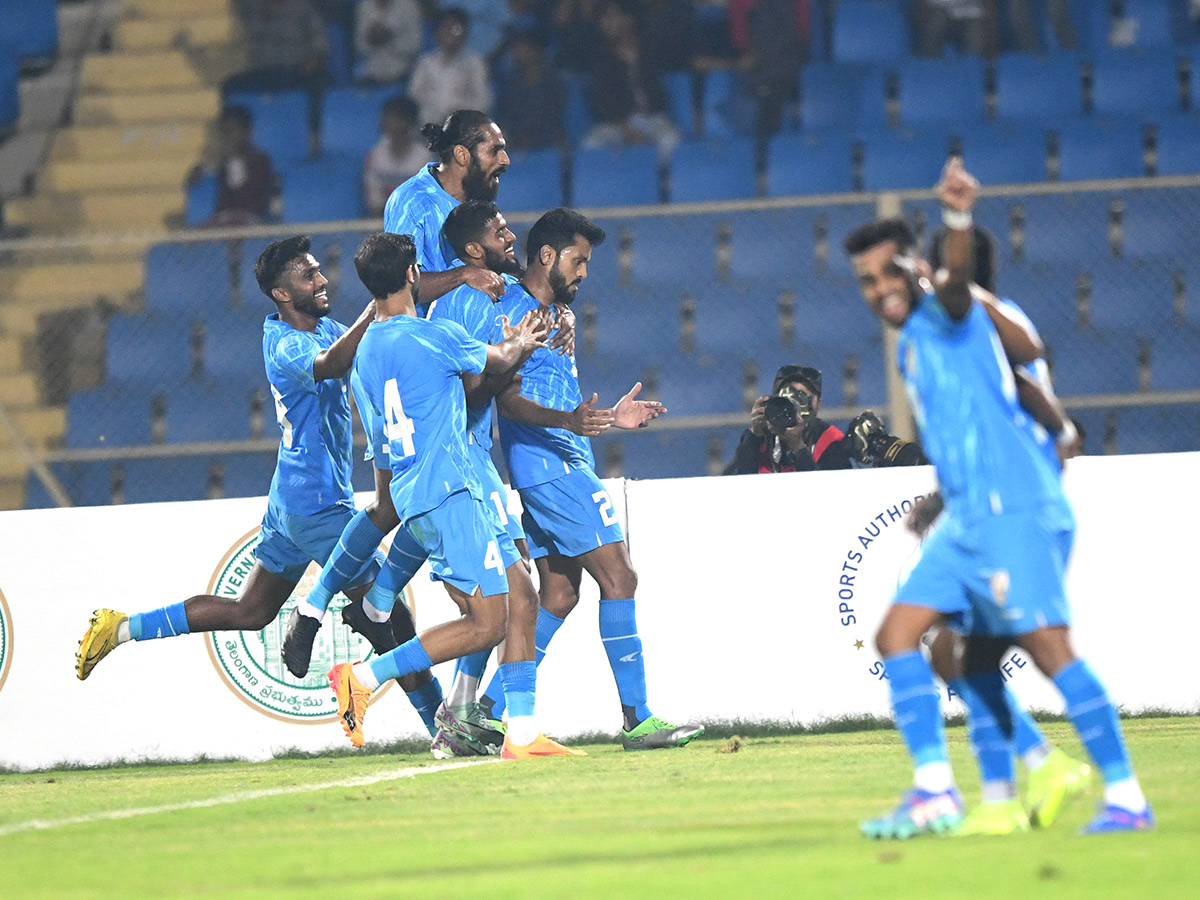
[[250, 662], [6, 641]]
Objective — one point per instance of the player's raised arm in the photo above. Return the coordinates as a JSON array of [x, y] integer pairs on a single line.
[[957, 192], [1020, 340], [585, 419], [336, 361]]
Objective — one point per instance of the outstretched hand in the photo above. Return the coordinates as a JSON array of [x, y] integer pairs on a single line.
[[632, 413], [588, 421]]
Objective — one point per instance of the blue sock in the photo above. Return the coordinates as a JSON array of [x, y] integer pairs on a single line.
[[425, 700], [915, 702], [358, 541], [520, 686], [547, 626], [474, 664], [989, 725], [1095, 719], [1025, 731], [618, 631], [401, 564], [166, 621], [409, 657]]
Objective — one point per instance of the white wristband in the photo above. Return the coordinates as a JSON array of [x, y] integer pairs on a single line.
[[1068, 435], [957, 220]]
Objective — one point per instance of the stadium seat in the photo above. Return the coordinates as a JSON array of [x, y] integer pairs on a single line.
[[248, 474], [713, 170], [1046, 293], [350, 118], [941, 90], [200, 410], [723, 106], [534, 181], [87, 483], [191, 277], [641, 320], [578, 118], [10, 97], [691, 388], [1157, 223], [668, 250], [680, 88], [1093, 364], [1005, 154], [607, 176], [280, 123], [201, 201], [899, 160], [1149, 22], [31, 32], [1041, 88], [612, 375], [160, 480], [117, 415], [328, 189], [1131, 296], [1171, 428], [233, 343], [871, 31], [1173, 356], [155, 345], [1061, 227], [340, 65], [802, 164], [1178, 145], [1133, 83], [831, 95], [1093, 149], [667, 453]]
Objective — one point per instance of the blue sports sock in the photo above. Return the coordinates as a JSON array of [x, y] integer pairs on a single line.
[[473, 665], [409, 657], [547, 626], [1095, 719], [520, 686], [425, 700], [618, 631], [358, 541], [166, 621], [401, 564], [915, 702], [989, 725], [1026, 733]]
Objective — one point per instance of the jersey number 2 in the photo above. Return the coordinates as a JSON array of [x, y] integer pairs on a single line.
[[400, 428]]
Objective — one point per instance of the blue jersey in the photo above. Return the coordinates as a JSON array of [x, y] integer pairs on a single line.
[[376, 451], [419, 207], [411, 369], [536, 455], [1039, 371], [476, 312], [316, 449], [974, 432]]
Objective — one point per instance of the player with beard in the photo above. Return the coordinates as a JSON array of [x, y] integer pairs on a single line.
[[308, 357], [569, 516], [471, 158]]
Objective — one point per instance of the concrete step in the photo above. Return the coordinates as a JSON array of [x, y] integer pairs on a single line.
[[42, 426], [114, 73], [12, 492], [171, 105], [176, 9], [171, 33], [150, 141], [11, 364], [119, 211], [20, 319], [18, 391], [112, 279], [163, 173]]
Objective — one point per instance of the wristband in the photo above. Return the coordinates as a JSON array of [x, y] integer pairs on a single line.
[[957, 220], [1068, 435]]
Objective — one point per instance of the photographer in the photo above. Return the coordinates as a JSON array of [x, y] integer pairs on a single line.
[[785, 434]]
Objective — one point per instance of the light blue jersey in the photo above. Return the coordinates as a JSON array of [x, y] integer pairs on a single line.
[[419, 207], [479, 315], [964, 398], [537, 455], [313, 471], [411, 369]]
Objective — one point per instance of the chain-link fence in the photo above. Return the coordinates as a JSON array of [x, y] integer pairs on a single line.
[[156, 391]]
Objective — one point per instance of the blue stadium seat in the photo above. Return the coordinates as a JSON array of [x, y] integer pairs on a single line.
[[1133, 83], [771, 244], [670, 250], [1173, 356], [1046, 293], [116, 415], [640, 320], [31, 32], [350, 118], [280, 123], [871, 31], [208, 409], [248, 474], [188, 277], [340, 65], [801, 164], [1178, 143], [612, 375], [233, 343], [328, 189], [1154, 22], [1132, 296], [1155, 226], [605, 176], [1042, 88], [941, 90], [667, 453], [578, 117], [155, 345], [164, 479], [1092, 149], [898, 160], [713, 170], [723, 104], [691, 388], [680, 87], [1064, 226], [86, 483], [1093, 364], [1171, 428], [534, 181], [831, 95], [1005, 154], [10, 97], [201, 201]]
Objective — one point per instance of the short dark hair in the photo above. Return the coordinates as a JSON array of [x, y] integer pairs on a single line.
[[276, 259], [467, 222], [558, 229], [383, 260], [457, 13], [463, 126], [867, 236], [985, 255], [806, 375], [401, 105], [236, 112]]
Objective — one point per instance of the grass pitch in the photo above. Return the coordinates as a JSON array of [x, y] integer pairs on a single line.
[[762, 818]]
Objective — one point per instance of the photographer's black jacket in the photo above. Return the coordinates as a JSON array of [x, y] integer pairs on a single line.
[[827, 451]]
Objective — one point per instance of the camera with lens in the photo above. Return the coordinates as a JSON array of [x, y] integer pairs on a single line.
[[787, 408]]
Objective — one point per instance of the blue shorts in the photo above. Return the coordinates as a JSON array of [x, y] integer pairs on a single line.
[[495, 491], [569, 516], [289, 543], [1002, 576], [467, 545]]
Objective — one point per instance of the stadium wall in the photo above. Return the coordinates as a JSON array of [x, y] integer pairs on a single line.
[[758, 599]]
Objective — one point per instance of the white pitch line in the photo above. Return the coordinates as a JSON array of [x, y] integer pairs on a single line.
[[240, 797]]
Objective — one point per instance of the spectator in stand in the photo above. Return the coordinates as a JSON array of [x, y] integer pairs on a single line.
[[247, 186], [397, 155], [575, 31], [450, 77], [669, 33], [387, 39], [963, 23], [773, 39], [288, 50], [532, 101], [629, 103]]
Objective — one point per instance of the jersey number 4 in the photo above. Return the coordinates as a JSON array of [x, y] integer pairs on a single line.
[[400, 428]]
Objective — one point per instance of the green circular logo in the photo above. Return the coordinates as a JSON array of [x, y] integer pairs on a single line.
[[250, 662], [6, 641]]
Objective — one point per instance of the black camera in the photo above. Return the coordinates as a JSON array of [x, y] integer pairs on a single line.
[[788, 408]]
